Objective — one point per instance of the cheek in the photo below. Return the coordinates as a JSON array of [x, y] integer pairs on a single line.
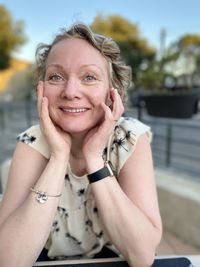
[[98, 95], [97, 100], [50, 93]]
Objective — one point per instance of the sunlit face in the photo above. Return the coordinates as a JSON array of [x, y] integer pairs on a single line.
[[76, 83]]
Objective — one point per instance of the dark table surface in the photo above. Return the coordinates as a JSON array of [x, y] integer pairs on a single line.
[[179, 261]]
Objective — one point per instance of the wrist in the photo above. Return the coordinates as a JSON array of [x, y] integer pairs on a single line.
[[94, 164], [59, 158], [100, 174]]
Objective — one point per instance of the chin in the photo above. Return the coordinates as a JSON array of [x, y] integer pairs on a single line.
[[73, 126], [75, 129]]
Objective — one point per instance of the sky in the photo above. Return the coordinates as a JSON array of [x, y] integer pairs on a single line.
[[44, 18]]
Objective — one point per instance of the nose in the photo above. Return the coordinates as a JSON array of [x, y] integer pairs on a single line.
[[71, 89]]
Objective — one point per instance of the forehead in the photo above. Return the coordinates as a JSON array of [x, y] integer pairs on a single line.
[[76, 52]]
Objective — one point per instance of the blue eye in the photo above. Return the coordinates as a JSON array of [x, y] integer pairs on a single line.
[[56, 77], [89, 77]]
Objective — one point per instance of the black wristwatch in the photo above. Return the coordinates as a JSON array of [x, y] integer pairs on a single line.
[[101, 174]]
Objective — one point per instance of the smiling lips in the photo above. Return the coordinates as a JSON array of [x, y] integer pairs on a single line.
[[74, 110]]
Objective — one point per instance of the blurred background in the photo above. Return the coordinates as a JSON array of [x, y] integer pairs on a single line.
[[161, 42]]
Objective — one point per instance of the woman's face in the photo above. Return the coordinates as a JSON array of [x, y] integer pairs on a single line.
[[76, 83]]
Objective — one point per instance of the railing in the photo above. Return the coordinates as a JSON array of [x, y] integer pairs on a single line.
[[15, 117], [176, 143]]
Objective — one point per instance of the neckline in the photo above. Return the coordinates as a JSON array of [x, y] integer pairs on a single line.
[[69, 170]]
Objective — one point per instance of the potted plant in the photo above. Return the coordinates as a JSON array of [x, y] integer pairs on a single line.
[[169, 87]]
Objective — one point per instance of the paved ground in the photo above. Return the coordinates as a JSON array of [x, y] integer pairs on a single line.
[[171, 245]]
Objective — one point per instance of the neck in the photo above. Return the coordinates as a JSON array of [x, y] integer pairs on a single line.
[[77, 143]]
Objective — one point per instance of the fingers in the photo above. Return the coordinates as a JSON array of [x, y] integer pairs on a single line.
[[42, 106], [112, 116], [56, 138], [44, 113], [109, 121], [40, 92], [118, 107]]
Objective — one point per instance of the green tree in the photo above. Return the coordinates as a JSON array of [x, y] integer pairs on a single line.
[[11, 36], [152, 77], [188, 40], [134, 48], [186, 49]]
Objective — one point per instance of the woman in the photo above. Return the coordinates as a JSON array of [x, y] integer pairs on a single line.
[[81, 184]]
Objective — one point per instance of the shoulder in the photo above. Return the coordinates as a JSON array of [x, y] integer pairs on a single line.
[[34, 137], [124, 141], [132, 127]]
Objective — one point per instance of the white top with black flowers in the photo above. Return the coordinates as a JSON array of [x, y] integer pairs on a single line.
[[77, 231]]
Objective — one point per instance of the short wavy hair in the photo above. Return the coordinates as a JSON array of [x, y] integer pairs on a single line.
[[120, 74]]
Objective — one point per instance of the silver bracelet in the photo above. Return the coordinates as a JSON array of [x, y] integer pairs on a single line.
[[42, 196]]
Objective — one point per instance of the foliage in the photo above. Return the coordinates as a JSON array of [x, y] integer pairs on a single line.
[[11, 36], [134, 48], [189, 39], [187, 63], [179, 68], [152, 77]]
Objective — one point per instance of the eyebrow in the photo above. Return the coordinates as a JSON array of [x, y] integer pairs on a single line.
[[93, 65], [55, 65], [83, 66]]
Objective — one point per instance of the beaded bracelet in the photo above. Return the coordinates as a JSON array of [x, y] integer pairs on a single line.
[[42, 196]]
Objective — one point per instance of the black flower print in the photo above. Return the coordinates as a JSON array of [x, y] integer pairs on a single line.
[[120, 143], [104, 152], [123, 136], [117, 130], [100, 234], [67, 179], [62, 212], [77, 242], [55, 227], [96, 245], [89, 223], [27, 139], [81, 192], [95, 210], [130, 136]]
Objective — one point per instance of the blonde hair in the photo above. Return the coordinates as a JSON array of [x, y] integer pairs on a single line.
[[120, 74]]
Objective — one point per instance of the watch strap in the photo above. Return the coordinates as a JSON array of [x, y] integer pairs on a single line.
[[101, 174]]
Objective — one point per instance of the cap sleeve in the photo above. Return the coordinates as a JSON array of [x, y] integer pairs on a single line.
[[124, 140], [34, 138]]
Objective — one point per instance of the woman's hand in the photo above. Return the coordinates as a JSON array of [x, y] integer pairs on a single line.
[[97, 138], [58, 140]]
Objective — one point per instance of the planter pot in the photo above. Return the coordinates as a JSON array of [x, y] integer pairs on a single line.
[[171, 105]]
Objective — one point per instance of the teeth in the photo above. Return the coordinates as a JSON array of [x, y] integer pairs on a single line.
[[74, 110]]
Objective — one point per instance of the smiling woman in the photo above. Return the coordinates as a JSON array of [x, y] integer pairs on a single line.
[[75, 85], [85, 172]]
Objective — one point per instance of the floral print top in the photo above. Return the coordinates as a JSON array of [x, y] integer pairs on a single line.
[[77, 231]]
